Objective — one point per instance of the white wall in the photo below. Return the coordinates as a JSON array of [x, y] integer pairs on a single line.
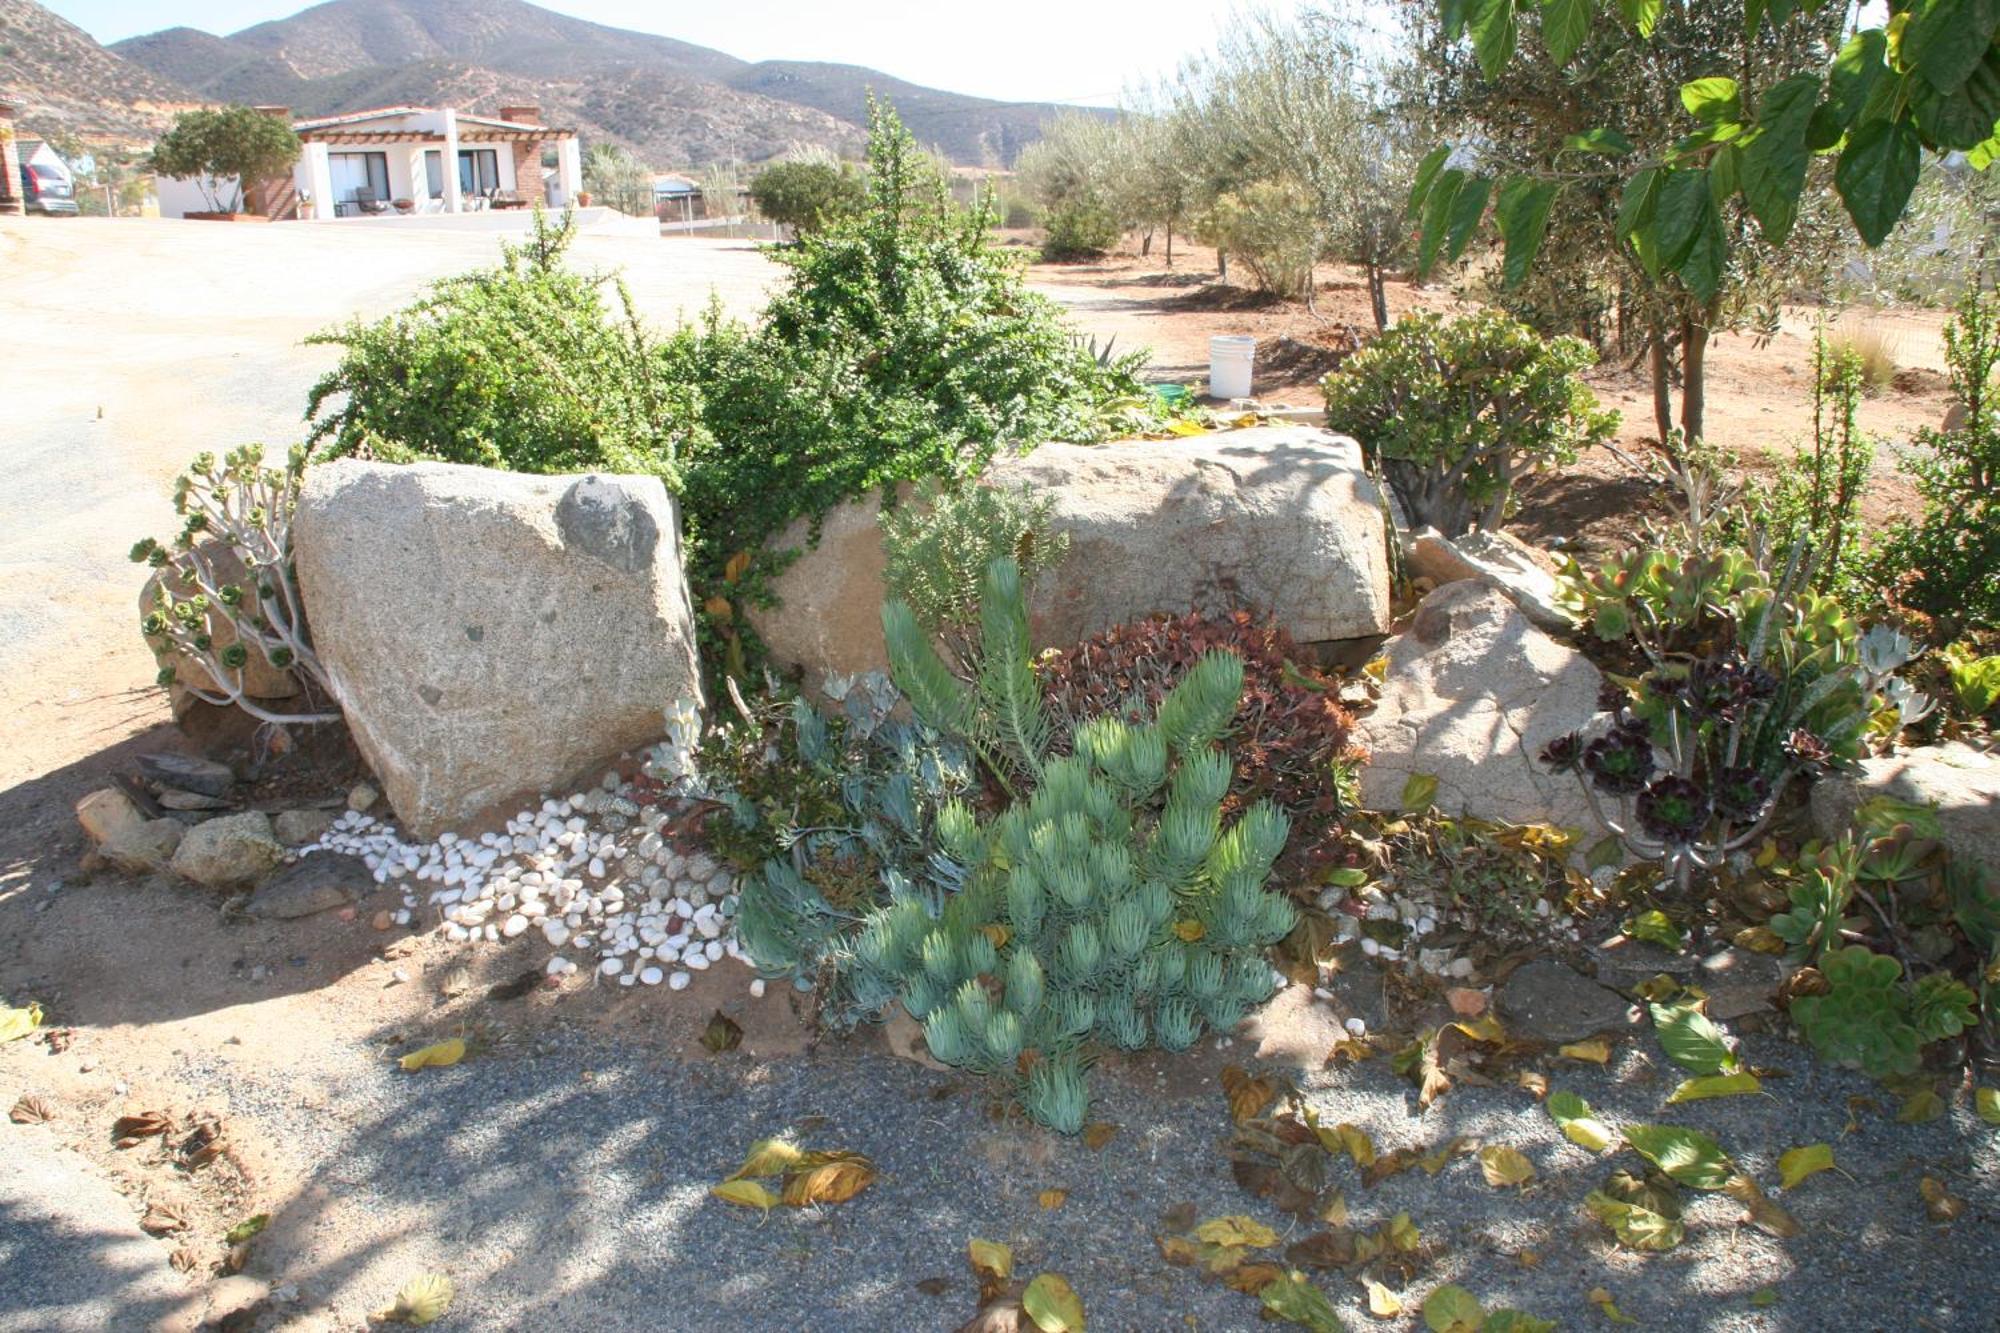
[[179, 197]]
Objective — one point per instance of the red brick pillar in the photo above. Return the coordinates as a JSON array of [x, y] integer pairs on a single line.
[[277, 197], [527, 153], [10, 165]]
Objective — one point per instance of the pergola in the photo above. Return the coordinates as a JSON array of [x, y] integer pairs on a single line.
[[406, 134]]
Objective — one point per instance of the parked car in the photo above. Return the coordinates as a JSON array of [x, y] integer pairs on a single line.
[[46, 191]]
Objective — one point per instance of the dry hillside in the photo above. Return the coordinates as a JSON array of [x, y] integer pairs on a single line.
[[60, 79]]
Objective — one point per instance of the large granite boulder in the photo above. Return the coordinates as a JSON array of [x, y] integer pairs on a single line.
[[1279, 520], [1962, 782], [1500, 560], [1471, 695], [490, 633]]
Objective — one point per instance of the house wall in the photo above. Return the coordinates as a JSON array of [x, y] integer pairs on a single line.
[[179, 197]]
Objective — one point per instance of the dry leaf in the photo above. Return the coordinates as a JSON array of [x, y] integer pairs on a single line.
[[1533, 1082], [1322, 1249], [15, 1023], [1597, 1050], [1247, 1096], [162, 1219], [423, 1300], [1252, 1278], [1189, 931], [1504, 1166], [455, 983], [829, 1182], [1053, 1304], [1797, 1164], [438, 1054], [1236, 1229], [735, 567], [748, 1193], [1052, 1199], [768, 1157], [723, 1033], [1715, 1085], [719, 607], [1382, 1302], [1763, 1213], [129, 1130], [1940, 1204], [1098, 1133], [31, 1110], [1180, 1217]]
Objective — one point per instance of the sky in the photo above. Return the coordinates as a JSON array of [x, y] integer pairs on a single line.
[[1078, 51]]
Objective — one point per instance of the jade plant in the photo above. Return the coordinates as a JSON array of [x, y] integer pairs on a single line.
[[227, 588], [1105, 903]]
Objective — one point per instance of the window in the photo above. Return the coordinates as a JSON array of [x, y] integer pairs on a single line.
[[354, 174], [434, 172], [478, 170]]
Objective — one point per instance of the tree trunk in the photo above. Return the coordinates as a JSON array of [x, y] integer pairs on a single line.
[[1222, 265], [1378, 298], [1694, 355], [1146, 243], [1170, 245], [1663, 393]]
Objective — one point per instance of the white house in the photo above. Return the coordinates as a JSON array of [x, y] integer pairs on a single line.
[[406, 159]]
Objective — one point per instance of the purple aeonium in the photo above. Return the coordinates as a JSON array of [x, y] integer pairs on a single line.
[[1741, 794], [1808, 751], [1621, 760], [1674, 809], [1564, 751]]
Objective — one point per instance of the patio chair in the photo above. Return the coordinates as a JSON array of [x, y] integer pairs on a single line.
[[367, 202]]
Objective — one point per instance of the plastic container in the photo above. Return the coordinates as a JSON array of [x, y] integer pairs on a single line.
[[1229, 365]]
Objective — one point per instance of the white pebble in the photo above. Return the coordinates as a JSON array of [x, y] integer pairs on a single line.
[[652, 976], [679, 981]]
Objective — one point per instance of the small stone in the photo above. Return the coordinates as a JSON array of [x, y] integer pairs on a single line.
[[611, 967], [362, 795], [106, 813], [204, 776], [1466, 1002], [295, 828], [173, 798], [144, 850], [651, 976], [757, 987], [679, 981], [230, 851], [317, 883], [383, 920], [1356, 1027], [1550, 1002]]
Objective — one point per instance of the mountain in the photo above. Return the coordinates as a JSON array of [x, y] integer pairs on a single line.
[[672, 102], [59, 79]]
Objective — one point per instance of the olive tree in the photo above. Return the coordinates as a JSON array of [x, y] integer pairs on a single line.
[[807, 195]]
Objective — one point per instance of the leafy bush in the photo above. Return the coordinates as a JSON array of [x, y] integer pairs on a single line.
[[807, 196], [216, 145], [1269, 227], [1105, 903], [1456, 411], [1287, 739], [1947, 564], [1815, 496], [232, 562], [939, 548], [523, 366], [1078, 229]]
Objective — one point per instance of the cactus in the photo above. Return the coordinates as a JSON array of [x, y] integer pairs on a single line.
[[1108, 905]]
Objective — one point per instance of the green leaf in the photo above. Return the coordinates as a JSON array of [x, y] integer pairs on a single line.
[[1601, 140], [1688, 1155], [1945, 40], [247, 1228], [1691, 1039], [1655, 927], [1701, 268], [1987, 1102], [1796, 1164], [1053, 1304], [1680, 213], [1712, 100], [1427, 173], [1565, 24], [1419, 790], [1855, 70], [1715, 1085], [1493, 35], [1573, 1117], [1877, 171], [1467, 208], [1523, 217], [1635, 1224], [1437, 215], [1641, 14], [1775, 157], [1637, 208], [1453, 1309], [1964, 117], [1295, 1299]]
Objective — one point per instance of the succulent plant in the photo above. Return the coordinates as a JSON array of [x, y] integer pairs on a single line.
[[1674, 809], [1862, 1020], [1621, 762]]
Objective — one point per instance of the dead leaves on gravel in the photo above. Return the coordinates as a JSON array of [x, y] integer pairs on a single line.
[[1045, 1303], [807, 1178]]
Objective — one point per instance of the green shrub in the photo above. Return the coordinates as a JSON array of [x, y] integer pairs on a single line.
[[1946, 565], [232, 562], [1271, 229], [1456, 411], [1106, 903], [939, 548], [1815, 497], [523, 366], [212, 145], [807, 196], [1081, 228]]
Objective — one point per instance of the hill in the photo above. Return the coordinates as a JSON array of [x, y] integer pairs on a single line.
[[673, 102], [61, 80]]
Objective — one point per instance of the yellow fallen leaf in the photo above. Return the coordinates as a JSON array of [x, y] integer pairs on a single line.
[[1797, 1164], [829, 1182], [1052, 1199], [1382, 1302], [1376, 668], [1236, 1229], [1505, 1166], [990, 1257], [1352, 1140], [436, 1055], [1485, 1028], [1099, 1133], [748, 1193], [1053, 1304], [1601, 1298], [997, 933], [1189, 931], [1715, 1085], [423, 1300], [767, 1157], [19, 1022], [737, 566], [1596, 1050], [1986, 1101], [1940, 1203], [1247, 1096], [719, 607]]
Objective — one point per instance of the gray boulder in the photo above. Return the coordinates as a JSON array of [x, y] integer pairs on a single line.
[[490, 633], [1280, 520], [107, 812], [228, 852], [1471, 695], [145, 848], [1962, 782], [1499, 560], [317, 883], [295, 828]]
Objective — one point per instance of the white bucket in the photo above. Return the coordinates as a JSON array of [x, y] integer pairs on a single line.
[[1229, 358]]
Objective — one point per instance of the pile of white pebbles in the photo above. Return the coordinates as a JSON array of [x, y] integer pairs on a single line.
[[597, 873]]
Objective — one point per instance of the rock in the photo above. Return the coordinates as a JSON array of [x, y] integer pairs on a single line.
[[146, 848], [1499, 560], [228, 852], [173, 798], [1546, 1001], [1740, 982], [295, 828], [489, 633], [260, 680], [362, 795], [202, 776], [1294, 1028], [106, 813], [905, 1036], [1964, 783], [320, 882], [1471, 695], [1465, 1001], [1282, 521]]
